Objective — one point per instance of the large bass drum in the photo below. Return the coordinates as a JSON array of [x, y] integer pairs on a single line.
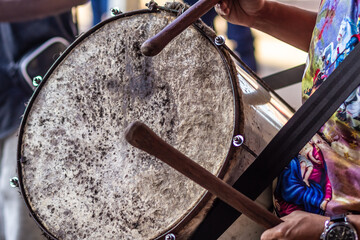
[[81, 180]]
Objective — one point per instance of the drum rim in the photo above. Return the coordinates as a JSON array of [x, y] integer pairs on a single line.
[[237, 128]]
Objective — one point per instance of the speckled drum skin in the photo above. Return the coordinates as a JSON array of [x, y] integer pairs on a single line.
[[79, 176]]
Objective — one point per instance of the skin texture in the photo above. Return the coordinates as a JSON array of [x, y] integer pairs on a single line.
[[298, 225], [301, 225], [282, 21], [22, 10]]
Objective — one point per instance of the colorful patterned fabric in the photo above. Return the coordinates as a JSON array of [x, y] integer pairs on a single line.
[[325, 177]]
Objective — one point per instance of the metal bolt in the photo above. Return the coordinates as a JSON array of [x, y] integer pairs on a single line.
[[238, 140], [14, 182], [37, 80], [220, 40], [152, 5], [170, 236], [115, 11]]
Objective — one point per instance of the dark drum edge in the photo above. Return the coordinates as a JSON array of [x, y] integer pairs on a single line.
[[79, 39], [237, 128]]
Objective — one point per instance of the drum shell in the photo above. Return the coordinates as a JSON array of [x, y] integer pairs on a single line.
[[183, 228], [265, 113]]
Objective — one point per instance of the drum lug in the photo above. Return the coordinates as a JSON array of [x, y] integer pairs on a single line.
[[115, 11], [219, 40], [152, 5], [238, 140], [170, 236], [37, 80], [14, 182]]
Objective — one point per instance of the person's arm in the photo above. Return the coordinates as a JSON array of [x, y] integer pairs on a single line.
[[301, 225], [288, 23], [354, 219], [298, 225], [22, 10]]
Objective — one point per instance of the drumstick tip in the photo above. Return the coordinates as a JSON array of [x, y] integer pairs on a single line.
[[139, 135], [148, 49], [130, 132]]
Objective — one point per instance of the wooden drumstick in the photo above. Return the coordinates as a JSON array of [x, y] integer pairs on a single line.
[[154, 45], [142, 137]]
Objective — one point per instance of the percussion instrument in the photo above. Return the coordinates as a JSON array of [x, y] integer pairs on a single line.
[[80, 179], [141, 136]]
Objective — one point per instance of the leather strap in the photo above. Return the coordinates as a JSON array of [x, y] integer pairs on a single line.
[[287, 143], [285, 78], [338, 218]]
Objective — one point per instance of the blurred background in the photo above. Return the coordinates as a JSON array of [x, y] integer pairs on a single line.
[[272, 55]]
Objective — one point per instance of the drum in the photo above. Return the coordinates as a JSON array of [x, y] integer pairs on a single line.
[[81, 180]]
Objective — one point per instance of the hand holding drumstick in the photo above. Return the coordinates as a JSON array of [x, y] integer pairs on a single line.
[[154, 45], [258, 14]]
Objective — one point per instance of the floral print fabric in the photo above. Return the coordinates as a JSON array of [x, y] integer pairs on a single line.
[[325, 177]]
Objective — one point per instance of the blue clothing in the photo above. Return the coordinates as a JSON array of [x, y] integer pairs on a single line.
[[99, 8], [292, 189], [17, 39]]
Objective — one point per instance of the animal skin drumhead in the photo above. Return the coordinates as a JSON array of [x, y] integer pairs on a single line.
[[78, 175]]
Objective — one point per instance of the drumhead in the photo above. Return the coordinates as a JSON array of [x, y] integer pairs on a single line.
[[78, 175]]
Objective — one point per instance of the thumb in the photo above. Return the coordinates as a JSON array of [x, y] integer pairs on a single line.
[[222, 8]]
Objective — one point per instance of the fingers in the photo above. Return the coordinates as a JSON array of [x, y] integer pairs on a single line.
[[273, 233], [222, 8], [282, 230]]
